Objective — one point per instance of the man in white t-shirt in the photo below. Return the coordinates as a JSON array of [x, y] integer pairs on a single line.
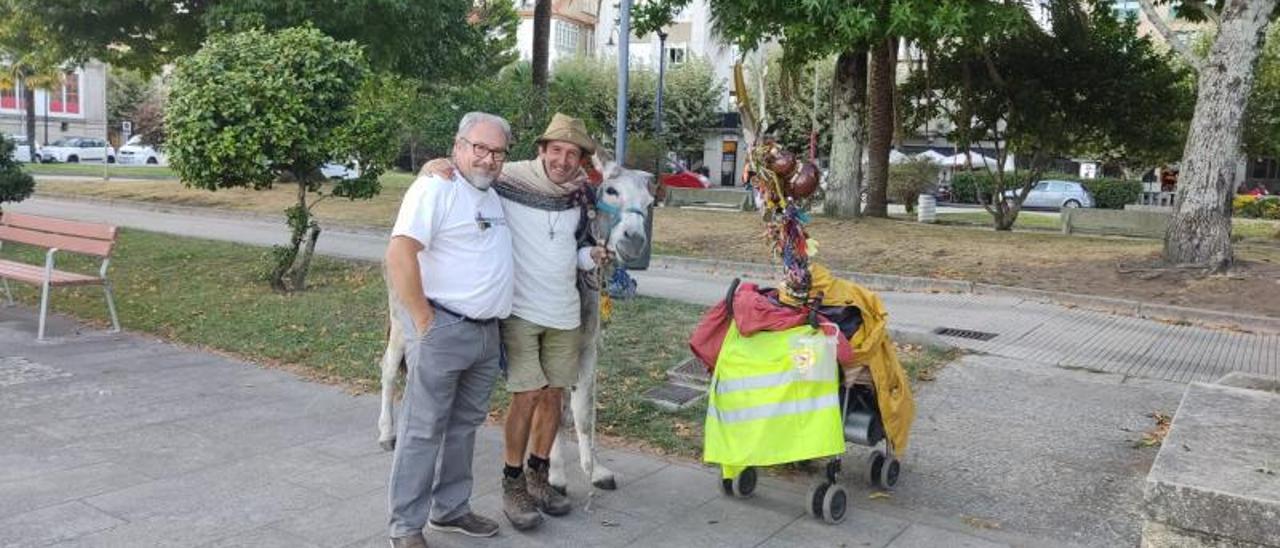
[[544, 202], [449, 263]]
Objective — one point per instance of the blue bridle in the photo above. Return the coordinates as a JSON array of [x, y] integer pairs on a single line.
[[615, 212]]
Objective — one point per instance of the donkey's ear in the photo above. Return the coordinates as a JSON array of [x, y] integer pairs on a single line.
[[601, 157]]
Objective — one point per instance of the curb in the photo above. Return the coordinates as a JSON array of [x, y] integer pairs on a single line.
[[889, 282]]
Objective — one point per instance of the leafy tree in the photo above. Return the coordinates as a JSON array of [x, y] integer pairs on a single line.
[[29, 60], [1262, 121], [252, 108], [15, 184], [1046, 93], [1200, 231], [908, 180], [849, 29], [421, 40]]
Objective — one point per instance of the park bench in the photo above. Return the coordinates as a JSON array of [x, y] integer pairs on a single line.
[[54, 235]]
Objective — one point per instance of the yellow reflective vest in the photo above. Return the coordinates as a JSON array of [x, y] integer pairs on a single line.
[[772, 401]]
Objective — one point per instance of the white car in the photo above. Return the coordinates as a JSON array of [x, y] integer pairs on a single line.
[[78, 149], [334, 170], [134, 152], [22, 152]]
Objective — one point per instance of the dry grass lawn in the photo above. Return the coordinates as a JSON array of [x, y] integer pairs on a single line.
[[1114, 267]]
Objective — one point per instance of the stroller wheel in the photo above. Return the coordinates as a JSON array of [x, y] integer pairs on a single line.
[[875, 466], [745, 483], [741, 486], [818, 495], [834, 503], [889, 474]]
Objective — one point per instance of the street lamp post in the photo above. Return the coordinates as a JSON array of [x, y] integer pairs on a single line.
[[662, 71], [624, 41]]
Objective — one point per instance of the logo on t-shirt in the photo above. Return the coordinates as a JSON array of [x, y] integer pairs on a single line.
[[486, 223]]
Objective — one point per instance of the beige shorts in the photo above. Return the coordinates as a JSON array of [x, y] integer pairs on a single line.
[[539, 356]]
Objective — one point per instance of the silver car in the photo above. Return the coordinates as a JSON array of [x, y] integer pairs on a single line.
[[1055, 194]]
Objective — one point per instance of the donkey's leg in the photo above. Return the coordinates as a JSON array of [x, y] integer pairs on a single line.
[[556, 472], [584, 420], [391, 359]]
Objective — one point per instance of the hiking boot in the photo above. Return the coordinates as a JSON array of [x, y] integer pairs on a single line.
[[470, 524], [411, 541], [518, 505], [549, 500]]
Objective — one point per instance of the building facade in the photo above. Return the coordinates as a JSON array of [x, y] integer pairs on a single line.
[[76, 108]]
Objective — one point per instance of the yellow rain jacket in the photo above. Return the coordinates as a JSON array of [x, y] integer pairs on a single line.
[[872, 348]]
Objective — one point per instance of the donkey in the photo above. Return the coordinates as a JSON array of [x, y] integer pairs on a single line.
[[621, 210]]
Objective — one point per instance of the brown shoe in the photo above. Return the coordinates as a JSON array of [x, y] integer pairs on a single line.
[[549, 500], [518, 505]]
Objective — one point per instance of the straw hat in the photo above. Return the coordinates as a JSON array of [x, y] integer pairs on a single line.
[[570, 130]]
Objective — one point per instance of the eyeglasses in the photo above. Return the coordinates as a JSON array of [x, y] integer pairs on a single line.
[[482, 150]]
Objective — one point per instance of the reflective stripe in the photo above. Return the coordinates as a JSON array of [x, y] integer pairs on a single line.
[[771, 410], [752, 383]]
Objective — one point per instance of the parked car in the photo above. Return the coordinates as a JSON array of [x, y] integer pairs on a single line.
[[333, 170], [78, 149], [134, 152], [1055, 194], [21, 151]]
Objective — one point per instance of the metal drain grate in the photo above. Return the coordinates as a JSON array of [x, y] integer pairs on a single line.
[[964, 333]]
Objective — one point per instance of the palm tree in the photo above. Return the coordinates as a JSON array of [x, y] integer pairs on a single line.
[[29, 77], [541, 54]]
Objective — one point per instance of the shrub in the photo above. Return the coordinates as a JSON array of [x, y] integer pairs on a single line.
[[1256, 207], [1113, 193], [15, 184], [908, 180]]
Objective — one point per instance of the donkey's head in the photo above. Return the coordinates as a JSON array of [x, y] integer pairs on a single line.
[[623, 204]]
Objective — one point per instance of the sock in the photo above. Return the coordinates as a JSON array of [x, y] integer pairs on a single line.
[[512, 472], [538, 463]]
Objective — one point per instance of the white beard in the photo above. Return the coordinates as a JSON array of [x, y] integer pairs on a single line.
[[481, 182]]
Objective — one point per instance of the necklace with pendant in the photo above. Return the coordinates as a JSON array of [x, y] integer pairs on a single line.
[[551, 225]]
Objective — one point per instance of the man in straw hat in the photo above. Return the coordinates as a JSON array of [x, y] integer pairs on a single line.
[[544, 200]]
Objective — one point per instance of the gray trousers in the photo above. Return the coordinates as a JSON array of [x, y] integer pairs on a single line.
[[451, 373]]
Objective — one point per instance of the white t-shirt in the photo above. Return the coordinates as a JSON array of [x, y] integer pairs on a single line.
[[466, 257], [545, 291]]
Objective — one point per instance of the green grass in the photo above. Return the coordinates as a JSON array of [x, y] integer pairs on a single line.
[[96, 170], [212, 295], [1241, 228]]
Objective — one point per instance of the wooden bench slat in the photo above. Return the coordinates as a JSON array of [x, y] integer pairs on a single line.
[[96, 231], [75, 244], [35, 274]]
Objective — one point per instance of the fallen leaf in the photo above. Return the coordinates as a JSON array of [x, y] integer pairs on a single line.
[[608, 523], [880, 495], [979, 523]]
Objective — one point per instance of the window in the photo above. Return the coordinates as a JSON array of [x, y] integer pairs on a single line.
[[1124, 9], [676, 55], [1264, 168], [66, 98], [11, 98], [567, 37]]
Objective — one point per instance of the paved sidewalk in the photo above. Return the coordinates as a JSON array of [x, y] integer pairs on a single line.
[[119, 440]]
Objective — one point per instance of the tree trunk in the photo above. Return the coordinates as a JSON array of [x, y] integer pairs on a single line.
[[541, 55], [29, 103], [880, 122], [1200, 231], [848, 133], [303, 265]]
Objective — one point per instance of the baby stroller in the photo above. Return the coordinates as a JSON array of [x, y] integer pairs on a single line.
[[777, 394]]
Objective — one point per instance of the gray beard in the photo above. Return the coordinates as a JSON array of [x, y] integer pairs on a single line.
[[480, 182]]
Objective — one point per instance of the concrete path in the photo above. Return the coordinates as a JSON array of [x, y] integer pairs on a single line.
[[1023, 329], [120, 440]]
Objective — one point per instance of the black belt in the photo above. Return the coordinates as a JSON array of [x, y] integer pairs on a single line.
[[443, 308]]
